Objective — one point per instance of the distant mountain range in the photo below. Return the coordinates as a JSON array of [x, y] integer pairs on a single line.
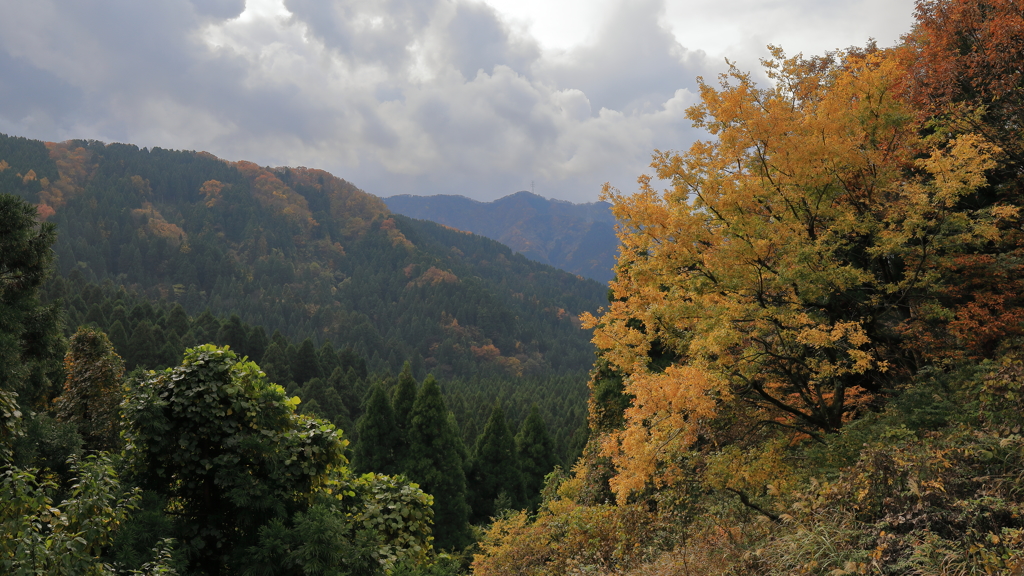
[[578, 238]]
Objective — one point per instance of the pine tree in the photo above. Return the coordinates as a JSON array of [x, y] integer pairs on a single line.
[[31, 343], [347, 389], [378, 437], [177, 321], [328, 358], [143, 348], [535, 451], [494, 473], [257, 342], [276, 366], [305, 365], [403, 398], [118, 337], [232, 334], [435, 465]]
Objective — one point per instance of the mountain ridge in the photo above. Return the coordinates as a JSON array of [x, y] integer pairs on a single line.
[[304, 252], [577, 238]]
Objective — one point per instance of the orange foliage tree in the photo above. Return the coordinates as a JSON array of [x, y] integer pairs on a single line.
[[965, 71], [781, 265]]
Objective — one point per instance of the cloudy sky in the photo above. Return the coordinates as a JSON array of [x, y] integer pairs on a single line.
[[471, 97]]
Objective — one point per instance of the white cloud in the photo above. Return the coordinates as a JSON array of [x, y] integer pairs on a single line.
[[398, 96]]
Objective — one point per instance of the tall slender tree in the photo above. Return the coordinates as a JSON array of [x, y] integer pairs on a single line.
[[535, 451], [402, 400], [494, 473], [31, 341], [434, 463], [377, 448], [305, 365]]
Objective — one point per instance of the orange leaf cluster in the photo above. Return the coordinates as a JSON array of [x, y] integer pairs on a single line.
[[785, 256], [274, 195]]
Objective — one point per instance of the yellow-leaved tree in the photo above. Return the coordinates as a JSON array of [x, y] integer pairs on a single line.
[[779, 269]]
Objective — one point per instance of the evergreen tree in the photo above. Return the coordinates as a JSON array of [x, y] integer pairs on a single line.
[[494, 472], [31, 341], [31, 335], [257, 342], [95, 316], [206, 327], [232, 334], [378, 437], [535, 451], [143, 348], [328, 358], [177, 321], [305, 365], [434, 464], [276, 366], [402, 399], [118, 337], [279, 339]]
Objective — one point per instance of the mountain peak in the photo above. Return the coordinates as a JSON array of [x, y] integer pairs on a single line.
[[578, 238]]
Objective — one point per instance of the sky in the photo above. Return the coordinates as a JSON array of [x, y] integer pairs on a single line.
[[470, 97]]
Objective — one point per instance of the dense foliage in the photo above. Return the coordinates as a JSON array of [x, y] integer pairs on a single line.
[[811, 361], [303, 252]]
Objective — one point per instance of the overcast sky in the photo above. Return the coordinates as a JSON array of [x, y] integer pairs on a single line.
[[404, 96]]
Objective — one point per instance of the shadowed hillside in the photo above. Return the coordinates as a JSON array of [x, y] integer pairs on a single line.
[[578, 238]]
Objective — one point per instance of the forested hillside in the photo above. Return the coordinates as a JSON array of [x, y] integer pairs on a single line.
[[345, 310], [302, 252], [352, 342], [810, 359], [579, 238]]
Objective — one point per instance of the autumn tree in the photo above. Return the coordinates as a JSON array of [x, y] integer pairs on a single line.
[[778, 269], [92, 389], [966, 67], [964, 78]]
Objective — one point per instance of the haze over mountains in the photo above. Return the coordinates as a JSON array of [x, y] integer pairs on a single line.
[[578, 238]]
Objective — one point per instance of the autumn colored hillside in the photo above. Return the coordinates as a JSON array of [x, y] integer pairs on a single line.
[[810, 360], [812, 363], [304, 252]]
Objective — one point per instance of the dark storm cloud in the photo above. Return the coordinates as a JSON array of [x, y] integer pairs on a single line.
[[635, 64], [479, 41], [28, 91], [377, 31]]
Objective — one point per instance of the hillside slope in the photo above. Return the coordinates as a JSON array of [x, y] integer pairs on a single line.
[[578, 238], [304, 252]]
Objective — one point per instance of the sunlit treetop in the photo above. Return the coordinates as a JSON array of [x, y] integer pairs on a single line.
[[787, 256]]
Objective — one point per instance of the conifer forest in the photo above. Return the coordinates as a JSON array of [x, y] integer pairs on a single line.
[[809, 360]]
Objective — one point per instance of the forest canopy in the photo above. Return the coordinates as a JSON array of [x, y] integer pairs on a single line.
[[811, 358]]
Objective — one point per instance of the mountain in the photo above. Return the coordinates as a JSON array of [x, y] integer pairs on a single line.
[[578, 238], [300, 251]]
